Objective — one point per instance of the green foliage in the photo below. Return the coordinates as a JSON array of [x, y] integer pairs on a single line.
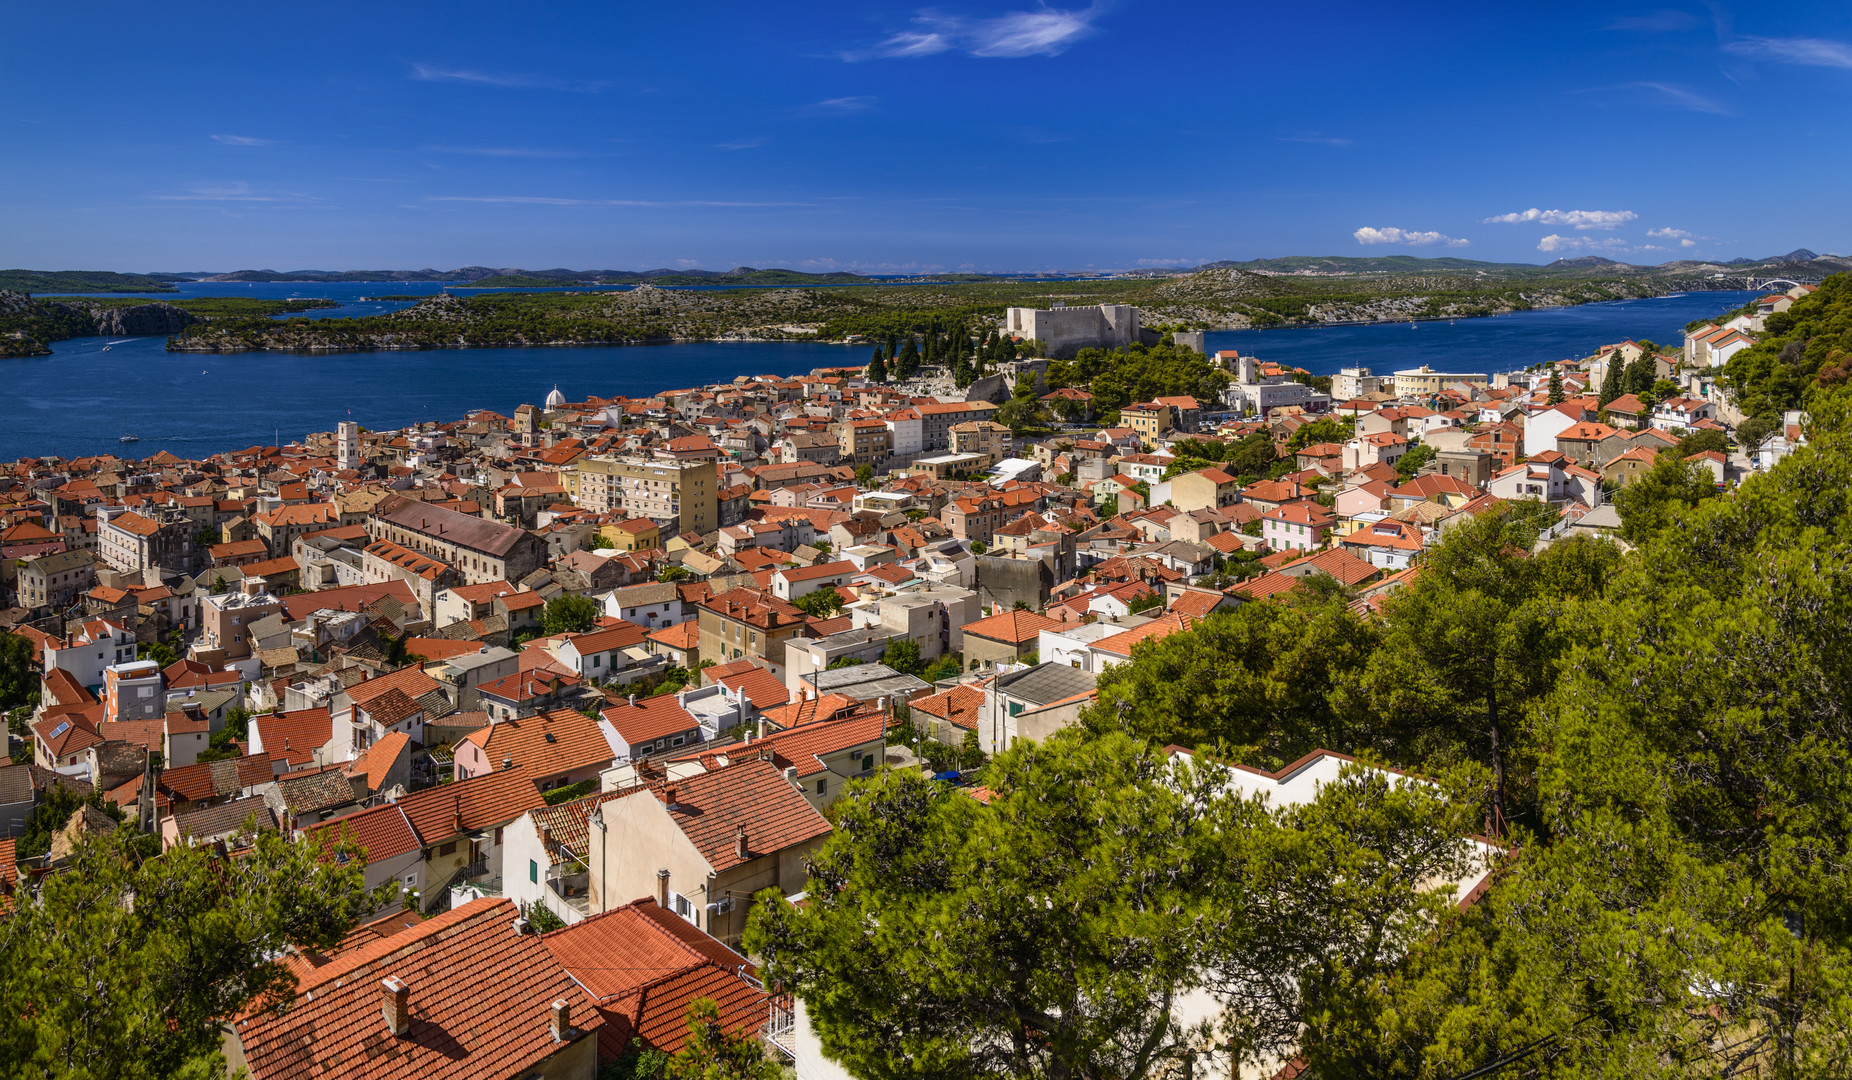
[[672, 573], [1052, 932], [710, 1052], [39, 281], [1699, 442], [569, 613], [821, 604], [52, 813], [1267, 682], [637, 1062], [19, 676], [877, 367], [1121, 377], [1410, 464], [844, 662], [1145, 602], [565, 793], [1556, 394], [1802, 350], [105, 989], [601, 541], [1683, 908], [1660, 496], [540, 918], [903, 655], [1611, 382], [946, 667], [1325, 429]]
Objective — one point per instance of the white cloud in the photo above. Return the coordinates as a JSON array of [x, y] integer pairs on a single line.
[[1391, 235], [1683, 97], [1685, 239], [743, 144], [242, 140], [506, 80], [1169, 262], [842, 105], [1581, 219], [1315, 137], [1814, 52], [1044, 32], [1554, 242]]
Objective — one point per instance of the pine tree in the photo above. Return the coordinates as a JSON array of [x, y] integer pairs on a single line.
[[877, 367], [1556, 385]]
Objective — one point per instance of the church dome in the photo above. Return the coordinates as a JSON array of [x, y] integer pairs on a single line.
[[555, 399]]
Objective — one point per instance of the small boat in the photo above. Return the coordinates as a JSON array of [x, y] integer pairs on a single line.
[[105, 348], [129, 438]]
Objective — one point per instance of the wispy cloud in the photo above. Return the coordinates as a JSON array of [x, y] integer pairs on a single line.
[[841, 105], [239, 192], [242, 140], [743, 144], [1314, 137], [1580, 219], [1815, 52], [1043, 32], [1368, 236], [1683, 97], [503, 151], [506, 80], [1169, 262], [1555, 243], [549, 200]]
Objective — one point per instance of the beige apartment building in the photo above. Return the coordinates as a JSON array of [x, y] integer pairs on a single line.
[[682, 496]]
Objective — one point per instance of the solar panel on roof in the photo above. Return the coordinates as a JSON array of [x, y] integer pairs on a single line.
[[62, 727]]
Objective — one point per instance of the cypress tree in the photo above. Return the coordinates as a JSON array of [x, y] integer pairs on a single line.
[[1611, 382], [877, 367], [1556, 385]]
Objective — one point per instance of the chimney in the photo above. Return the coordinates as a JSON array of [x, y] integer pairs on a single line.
[[395, 1004], [633, 701], [546, 836], [662, 889], [507, 763], [668, 796], [561, 1020], [740, 847]]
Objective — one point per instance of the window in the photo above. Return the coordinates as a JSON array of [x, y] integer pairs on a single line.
[[868, 762], [533, 871], [823, 786], [448, 849]]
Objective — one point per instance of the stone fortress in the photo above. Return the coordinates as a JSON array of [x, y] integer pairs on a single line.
[[1067, 330]]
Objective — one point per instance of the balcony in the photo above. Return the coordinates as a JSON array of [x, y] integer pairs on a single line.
[[571, 892]]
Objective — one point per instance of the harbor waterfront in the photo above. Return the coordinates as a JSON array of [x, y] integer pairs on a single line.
[[194, 405]]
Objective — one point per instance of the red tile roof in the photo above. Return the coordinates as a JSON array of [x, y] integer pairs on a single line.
[[760, 686], [1012, 627], [293, 737], [477, 802], [649, 719], [712, 807], [479, 1003], [544, 745]]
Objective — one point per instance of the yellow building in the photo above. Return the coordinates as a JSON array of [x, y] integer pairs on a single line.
[[1424, 381], [1149, 419], [682, 496], [632, 534]]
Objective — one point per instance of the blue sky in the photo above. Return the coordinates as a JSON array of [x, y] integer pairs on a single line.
[[893, 137]]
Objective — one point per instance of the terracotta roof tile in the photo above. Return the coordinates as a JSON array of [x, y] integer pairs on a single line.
[[479, 1003]]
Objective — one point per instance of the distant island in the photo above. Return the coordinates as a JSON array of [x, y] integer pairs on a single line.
[[29, 325], [40, 281]]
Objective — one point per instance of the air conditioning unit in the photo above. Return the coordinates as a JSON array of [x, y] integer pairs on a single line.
[[720, 906]]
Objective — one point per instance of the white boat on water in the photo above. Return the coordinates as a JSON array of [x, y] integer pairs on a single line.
[[129, 438]]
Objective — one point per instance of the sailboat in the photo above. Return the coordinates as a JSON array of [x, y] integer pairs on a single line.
[[126, 437]]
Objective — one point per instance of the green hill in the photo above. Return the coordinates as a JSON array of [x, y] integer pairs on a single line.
[[41, 281]]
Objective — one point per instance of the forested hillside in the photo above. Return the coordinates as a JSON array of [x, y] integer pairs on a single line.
[[1801, 350]]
